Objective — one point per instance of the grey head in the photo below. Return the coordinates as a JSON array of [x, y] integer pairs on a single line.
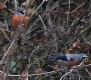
[[83, 55], [20, 10]]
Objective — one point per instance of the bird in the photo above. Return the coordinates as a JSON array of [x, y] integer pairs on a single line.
[[19, 18], [68, 60]]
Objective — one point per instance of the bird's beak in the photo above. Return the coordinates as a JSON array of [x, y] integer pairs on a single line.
[[86, 60], [24, 11]]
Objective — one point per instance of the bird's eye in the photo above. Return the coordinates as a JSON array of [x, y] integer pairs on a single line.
[[84, 57], [22, 12]]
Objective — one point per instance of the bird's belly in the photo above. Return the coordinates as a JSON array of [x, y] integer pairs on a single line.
[[16, 20], [73, 63], [68, 63]]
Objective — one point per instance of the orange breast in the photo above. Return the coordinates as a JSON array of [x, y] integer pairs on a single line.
[[16, 20], [73, 63]]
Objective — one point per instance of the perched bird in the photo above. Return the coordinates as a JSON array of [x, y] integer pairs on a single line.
[[68, 60], [19, 18]]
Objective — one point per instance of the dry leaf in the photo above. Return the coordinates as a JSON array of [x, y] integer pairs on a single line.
[[38, 70], [30, 11], [4, 49]]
